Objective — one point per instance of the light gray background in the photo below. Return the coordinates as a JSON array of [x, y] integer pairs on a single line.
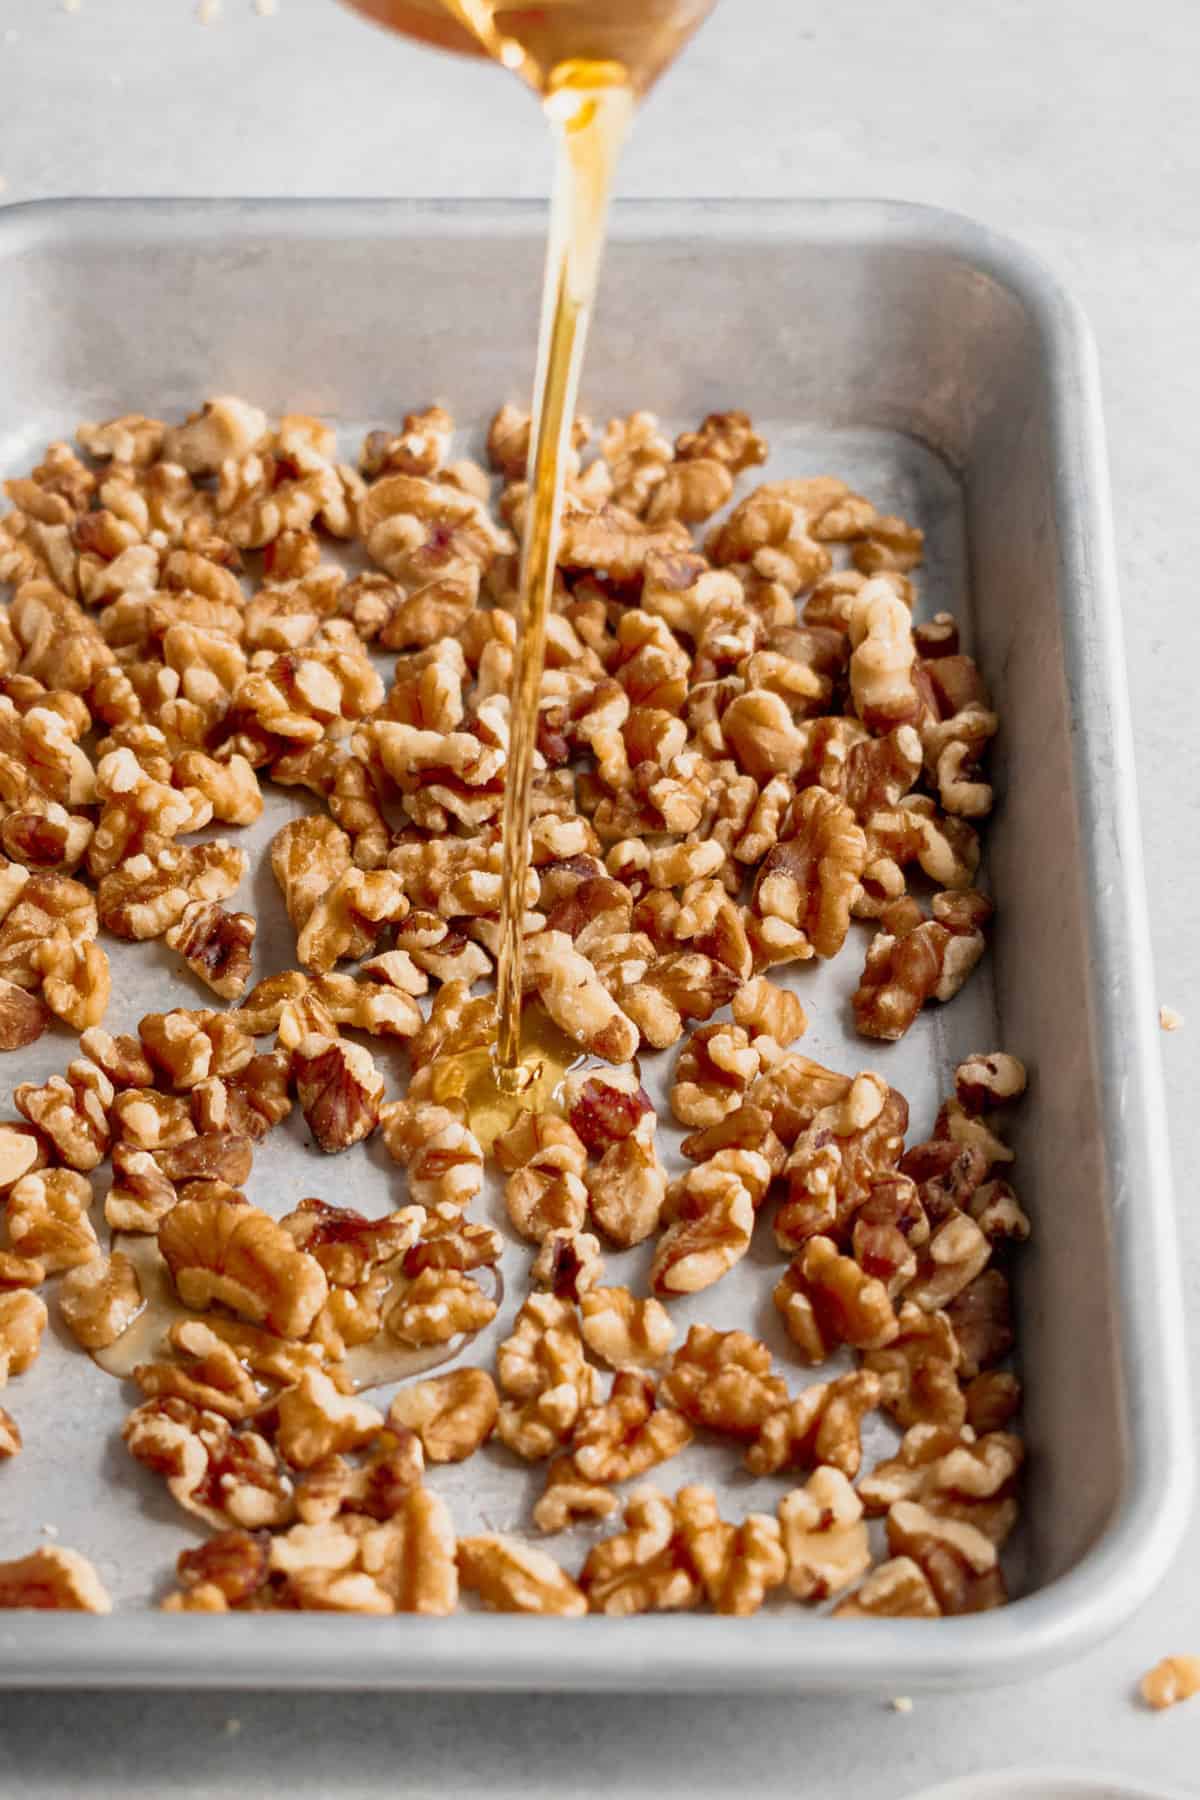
[[1070, 124]]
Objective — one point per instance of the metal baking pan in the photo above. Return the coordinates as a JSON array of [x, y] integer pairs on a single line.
[[939, 369]]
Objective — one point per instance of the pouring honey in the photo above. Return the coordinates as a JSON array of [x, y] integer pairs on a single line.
[[590, 62]]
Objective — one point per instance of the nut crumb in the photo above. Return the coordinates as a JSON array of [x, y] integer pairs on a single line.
[[1173, 1679], [1169, 1019], [900, 1703]]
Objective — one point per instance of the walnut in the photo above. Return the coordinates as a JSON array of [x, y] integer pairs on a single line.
[[993, 1399], [349, 916], [443, 1157], [226, 428], [316, 1421], [419, 449], [883, 658], [896, 1589], [513, 1577], [628, 1433], [72, 1111], [438, 1305], [53, 1579], [823, 1425], [247, 1104], [824, 1536], [144, 1119], [220, 1250], [47, 1217], [11, 1442], [348, 1245], [762, 1009], [730, 437], [77, 980], [640, 1569], [627, 1188], [838, 1159], [567, 1497], [542, 1198], [568, 1264], [723, 1381], [378, 1486], [23, 1017], [918, 1371], [738, 1564], [216, 945], [768, 535], [302, 694], [221, 1474], [20, 1271], [605, 1108], [339, 1088], [307, 856], [623, 1331], [132, 439], [23, 1319], [436, 542], [956, 1253], [447, 1240], [189, 1046], [982, 1321], [545, 1376], [713, 1209], [712, 1073], [983, 1081], [140, 1194], [952, 1475], [1173, 1679], [958, 1561], [575, 998], [638, 455], [21, 1149], [43, 907], [889, 1228], [912, 959], [808, 880], [234, 1563], [452, 1415], [826, 1300], [150, 891]]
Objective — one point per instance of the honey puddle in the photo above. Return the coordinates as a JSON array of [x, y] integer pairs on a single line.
[[373, 1364], [493, 1098]]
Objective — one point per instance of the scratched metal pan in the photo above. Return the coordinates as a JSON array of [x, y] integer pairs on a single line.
[[940, 370]]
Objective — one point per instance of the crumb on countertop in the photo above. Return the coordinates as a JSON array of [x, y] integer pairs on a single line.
[[1173, 1679], [901, 1703], [1169, 1019]]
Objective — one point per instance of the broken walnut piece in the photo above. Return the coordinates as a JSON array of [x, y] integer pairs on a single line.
[[23, 1017], [712, 1210], [222, 1474], [47, 1218], [510, 1576], [436, 1306], [308, 855], [918, 1371], [52, 1579], [738, 1565], [216, 945], [624, 1331], [99, 1300], [72, 1112], [912, 959], [11, 1442], [715, 1066], [378, 1485], [628, 1433], [568, 1497], [1173, 1679], [442, 1155], [723, 1381], [569, 1265], [545, 1378], [452, 1415], [826, 1299], [822, 1425], [824, 1535], [23, 1318], [763, 1009], [339, 1089], [316, 1421], [808, 881], [896, 1589], [627, 1188], [232, 1252], [639, 1569], [959, 1562]]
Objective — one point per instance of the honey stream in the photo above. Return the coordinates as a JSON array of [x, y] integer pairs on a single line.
[[590, 61]]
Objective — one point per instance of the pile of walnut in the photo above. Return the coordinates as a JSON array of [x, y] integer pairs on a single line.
[[741, 751]]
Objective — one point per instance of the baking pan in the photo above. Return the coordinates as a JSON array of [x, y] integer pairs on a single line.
[[937, 368]]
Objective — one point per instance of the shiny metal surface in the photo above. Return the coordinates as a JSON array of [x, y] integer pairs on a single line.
[[936, 365]]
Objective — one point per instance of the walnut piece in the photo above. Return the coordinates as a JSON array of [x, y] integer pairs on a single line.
[[723, 1381], [826, 1300], [47, 1216], [1173, 1679], [234, 1253], [510, 1576], [23, 1318], [824, 1535], [339, 1088], [53, 1579], [452, 1415], [216, 945], [622, 1330]]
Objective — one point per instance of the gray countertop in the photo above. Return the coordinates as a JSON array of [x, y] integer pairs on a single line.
[[1068, 123]]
